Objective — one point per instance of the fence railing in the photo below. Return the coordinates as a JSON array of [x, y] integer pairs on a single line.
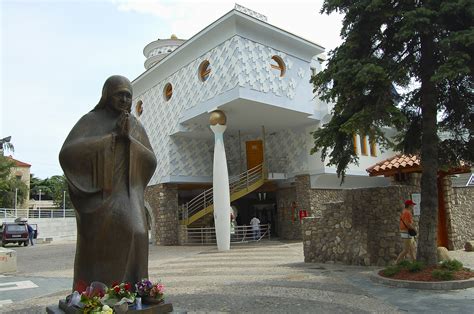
[[236, 183], [6, 213], [240, 234]]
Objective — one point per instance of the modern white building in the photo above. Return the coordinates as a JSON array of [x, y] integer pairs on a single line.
[[259, 76]]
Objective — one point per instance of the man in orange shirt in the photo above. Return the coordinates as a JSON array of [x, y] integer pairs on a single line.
[[406, 221]]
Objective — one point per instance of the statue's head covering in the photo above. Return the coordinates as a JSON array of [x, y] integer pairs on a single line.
[[111, 85]]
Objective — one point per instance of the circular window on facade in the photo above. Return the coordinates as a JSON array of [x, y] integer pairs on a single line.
[[139, 108], [168, 91], [278, 65], [204, 70]]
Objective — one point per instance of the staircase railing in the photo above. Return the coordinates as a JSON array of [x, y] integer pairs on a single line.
[[239, 185]]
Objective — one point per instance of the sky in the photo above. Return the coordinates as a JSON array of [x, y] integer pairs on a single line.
[[55, 56]]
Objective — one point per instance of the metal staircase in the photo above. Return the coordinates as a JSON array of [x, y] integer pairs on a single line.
[[239, 185]]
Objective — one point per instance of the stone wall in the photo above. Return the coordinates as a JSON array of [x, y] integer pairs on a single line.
[[319, 197], [163, 199], [361, 230], [303, 191], [289, 228], [462, 216]]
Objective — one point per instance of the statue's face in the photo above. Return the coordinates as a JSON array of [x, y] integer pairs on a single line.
[[121, 100]]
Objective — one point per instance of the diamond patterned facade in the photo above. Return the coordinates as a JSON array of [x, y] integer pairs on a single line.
[[238, 62]]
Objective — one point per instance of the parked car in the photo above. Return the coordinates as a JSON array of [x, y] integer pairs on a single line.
[[12, 232]]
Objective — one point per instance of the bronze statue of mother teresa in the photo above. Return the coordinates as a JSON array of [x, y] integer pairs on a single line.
[[108, 161]]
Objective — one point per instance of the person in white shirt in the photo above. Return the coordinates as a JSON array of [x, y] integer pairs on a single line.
[[255, 222]]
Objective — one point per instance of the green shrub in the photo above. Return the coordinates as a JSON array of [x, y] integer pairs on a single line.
[[442, 274], [404, 264], [453, 265], [391, 270], [415, 267]]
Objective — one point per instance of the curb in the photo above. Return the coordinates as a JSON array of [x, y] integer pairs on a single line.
[[424, 285]]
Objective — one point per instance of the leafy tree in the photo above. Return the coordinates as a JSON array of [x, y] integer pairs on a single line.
[[10, 184], [43, 185], [51, 189], [59, 186], [5, 145], [424, 49]]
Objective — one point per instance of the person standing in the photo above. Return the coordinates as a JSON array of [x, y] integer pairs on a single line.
[[255, 223], [406, 222], [31, 233]]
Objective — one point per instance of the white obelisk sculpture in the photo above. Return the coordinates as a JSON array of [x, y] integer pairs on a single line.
[[220, 182]]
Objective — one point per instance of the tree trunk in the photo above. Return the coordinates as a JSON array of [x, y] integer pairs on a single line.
[[427, 240]]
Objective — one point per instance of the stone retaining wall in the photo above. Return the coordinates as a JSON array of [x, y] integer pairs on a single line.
[[361, 230], [319, 197], [163, 199], [462, 216]]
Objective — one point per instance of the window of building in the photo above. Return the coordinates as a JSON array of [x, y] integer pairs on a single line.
[[168, 91], [278, 64], [18, 177], [373, 147], [204, 70], [354, 142], [363, 145], [139, 108]]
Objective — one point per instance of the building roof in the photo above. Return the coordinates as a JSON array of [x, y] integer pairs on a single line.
[[19, 163], [396, 164], [234, 22], [406, 164]]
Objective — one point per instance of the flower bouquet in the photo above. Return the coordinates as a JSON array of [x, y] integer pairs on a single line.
[[91, 299], [151, 293], [118, 294]]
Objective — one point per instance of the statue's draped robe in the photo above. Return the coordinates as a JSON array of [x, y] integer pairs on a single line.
[[107, 175]]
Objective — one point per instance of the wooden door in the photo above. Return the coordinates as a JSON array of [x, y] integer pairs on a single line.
[[254, 153]]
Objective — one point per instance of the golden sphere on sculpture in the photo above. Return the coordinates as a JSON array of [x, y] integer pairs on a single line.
[[217, 117], [174, 36]]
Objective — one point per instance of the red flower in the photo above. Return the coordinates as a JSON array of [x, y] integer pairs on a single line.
[[127, 286], [115, 283], [117, 289], [80, 286]]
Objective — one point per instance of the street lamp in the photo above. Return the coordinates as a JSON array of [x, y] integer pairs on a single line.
[[16, 196], [64, 200], [39, 201]]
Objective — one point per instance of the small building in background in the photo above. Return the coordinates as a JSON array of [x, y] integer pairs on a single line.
[[21, 171]]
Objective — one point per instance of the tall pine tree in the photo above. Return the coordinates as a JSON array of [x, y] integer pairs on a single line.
[[406, 65]]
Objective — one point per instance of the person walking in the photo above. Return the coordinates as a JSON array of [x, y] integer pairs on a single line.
[[255, 223], [31, 233], [406, 223]]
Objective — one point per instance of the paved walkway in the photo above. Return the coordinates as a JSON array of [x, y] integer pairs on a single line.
[[268, 277]]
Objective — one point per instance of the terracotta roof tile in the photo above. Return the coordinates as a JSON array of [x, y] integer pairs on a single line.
[[18, 163], [407, 163], [397, 163]]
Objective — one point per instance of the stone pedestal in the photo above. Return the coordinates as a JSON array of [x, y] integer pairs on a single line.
[[62, 308]]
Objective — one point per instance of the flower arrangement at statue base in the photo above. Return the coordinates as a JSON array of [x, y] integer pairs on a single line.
[[98, 298], [151, 293]]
